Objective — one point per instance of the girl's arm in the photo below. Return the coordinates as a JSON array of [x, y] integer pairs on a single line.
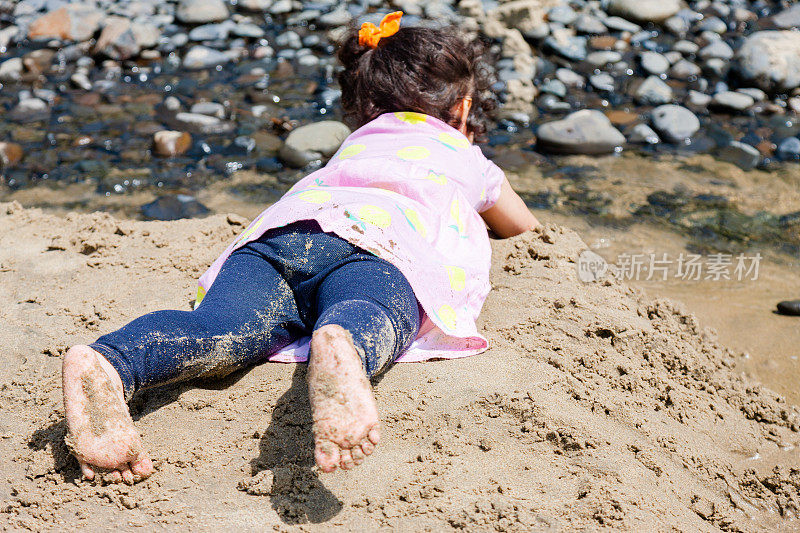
[[509, 216]]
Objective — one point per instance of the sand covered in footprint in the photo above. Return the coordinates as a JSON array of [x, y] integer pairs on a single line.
[[595, 408]]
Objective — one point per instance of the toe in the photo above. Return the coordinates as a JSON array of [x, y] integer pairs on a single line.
[[142, 466], [367, 447], [326, 454], [87, 471], [358, 454], [127, 476], [374, 435], [346, 460]]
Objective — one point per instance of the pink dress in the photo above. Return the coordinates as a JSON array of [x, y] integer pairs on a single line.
[[408, 188]]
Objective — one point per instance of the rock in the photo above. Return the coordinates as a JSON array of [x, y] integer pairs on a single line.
[[644, 10], [255, 5], [562, 14], [788, 18], [713, 24], [674, 123], [684, 69], [789, 307], [717, 49], [200, 57], [10, 154], [602, 58], [699, 99], [298, 158], [685, 47], [117, 40], [146, 35], [174, 207], [654, 63], [198, 123], [732, 100], [590, 25], [643, 134], [76, 22], [246, 29], [555, 87], [771, 59], [81, 80], [789, 149], [677, 26], [212, 109], [11, 70], [583, 132], [620, 24], [740, 154], [570, 78], [602, 82], [30, 110], [201, 11], [573, 48], [337, 17], [324, 137], [171, 143], [653, 91], [756, 94]]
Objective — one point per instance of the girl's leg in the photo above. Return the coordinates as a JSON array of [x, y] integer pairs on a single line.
[[367, 316], [248, 313]]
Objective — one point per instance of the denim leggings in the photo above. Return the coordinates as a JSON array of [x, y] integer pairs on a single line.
[[270, 292]]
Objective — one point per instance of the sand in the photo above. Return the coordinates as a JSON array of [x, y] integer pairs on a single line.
[[596, 407]]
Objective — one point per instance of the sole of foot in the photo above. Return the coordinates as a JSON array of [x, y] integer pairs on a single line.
[[100, 431], [346, 426]]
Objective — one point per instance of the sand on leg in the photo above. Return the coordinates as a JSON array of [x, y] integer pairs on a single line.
[[100, 431], [345, 414]]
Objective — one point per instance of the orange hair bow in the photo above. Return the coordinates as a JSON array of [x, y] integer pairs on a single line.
[[369, 34]]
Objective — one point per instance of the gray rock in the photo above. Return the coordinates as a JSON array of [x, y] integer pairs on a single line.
[[146, 35], [281, 7], [788, 18], [538, 32], [717, 67], [200, 57], [289, 39], [789, 149], [30, 110], [201, 11], [572, 47], [699, 99], [718, 49], [685, 47], [740, 154], [550, 102], [644, 10], [684, 69], [732, 100], [653, 91], [584, 132], [713, 24], [677, 26], [603, 57], [255, 5], [212, 109], [771, 59], [324, 137], [589, 24], [672, 56], [602, 81], [174, 207], [620, 24], [555, 87], [562, 14], [570, 78], [197, 123], [11, 70], [211, 32], [674, 123], [654, 63], [247, 29], [337, 17], [298, 158], [756, 94], [643, 134]]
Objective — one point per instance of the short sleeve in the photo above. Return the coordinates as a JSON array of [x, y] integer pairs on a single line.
[[491, 183]]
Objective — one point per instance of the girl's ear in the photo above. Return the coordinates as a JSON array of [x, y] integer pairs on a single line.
[[462, 111]]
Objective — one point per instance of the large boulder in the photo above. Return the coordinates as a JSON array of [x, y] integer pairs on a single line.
[[644, 10], [584, 132], [771, 59]]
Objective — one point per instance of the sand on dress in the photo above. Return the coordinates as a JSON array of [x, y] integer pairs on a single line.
[[596, 407]]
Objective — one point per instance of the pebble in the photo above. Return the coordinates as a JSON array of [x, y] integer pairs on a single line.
[[602, 81], [589, 25], [733, 100], [324, 137], [620, 24], [654, 63], [789, 149], [174, 207], [30, 110], [10, 154], [562, 14], [684, 69], [756, 94], [571, 48], [171, 143], [653, 91], [713, 24], [740, 154], [201, 11], [602, 58], [699, 99], [674, 123], [203, 123], [644, 10], [255, 5], [717, 49], [584, 132], [643, 134], [201, 57], [11, 69], [212, 109], [771, 59], [570, 78], [789, 307], [555, 87], [788, 18], [685, 47]]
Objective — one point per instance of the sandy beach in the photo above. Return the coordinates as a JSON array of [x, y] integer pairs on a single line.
[[596, 407]]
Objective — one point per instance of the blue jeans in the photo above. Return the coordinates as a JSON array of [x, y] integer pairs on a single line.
[[270, 292]]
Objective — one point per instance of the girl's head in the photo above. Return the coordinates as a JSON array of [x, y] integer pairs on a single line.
[[431, 71]]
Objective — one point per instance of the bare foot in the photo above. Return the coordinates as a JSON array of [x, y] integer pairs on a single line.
[[342, 404], [100, 431]]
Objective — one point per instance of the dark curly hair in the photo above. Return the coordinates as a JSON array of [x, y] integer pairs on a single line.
[[427, 70]]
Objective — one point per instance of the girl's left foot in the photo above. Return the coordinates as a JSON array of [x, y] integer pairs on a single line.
[[342, 404]]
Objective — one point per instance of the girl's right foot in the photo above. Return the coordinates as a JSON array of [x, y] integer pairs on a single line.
[[100, 431]]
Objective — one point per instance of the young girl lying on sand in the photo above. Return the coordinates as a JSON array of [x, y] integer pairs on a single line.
[[382, 255]]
